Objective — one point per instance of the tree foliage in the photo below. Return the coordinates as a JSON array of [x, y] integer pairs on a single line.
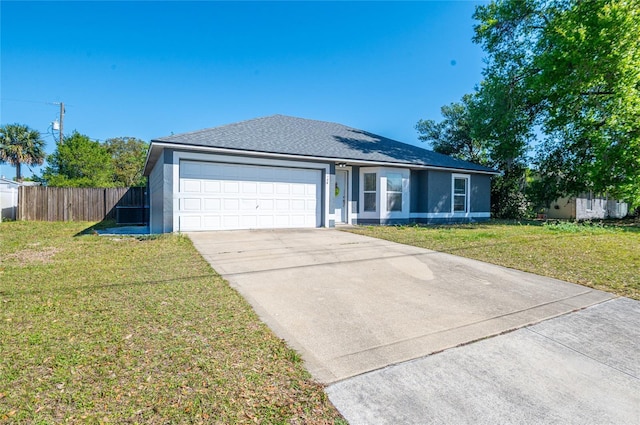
[[562, 79], [79, 162], [572, 69], [19, 145], [455, 134], [128, 155]]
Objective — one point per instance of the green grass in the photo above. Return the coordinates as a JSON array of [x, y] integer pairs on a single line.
[[136, 330], [605, 257]]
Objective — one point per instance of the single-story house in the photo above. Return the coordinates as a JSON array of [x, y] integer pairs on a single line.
[[587, 206], [287, 172]]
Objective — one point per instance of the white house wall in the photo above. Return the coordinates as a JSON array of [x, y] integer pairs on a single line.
[[598, 208], [576, 209]]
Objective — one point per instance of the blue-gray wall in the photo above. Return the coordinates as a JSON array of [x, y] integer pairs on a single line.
[[354, 196], [419, 183], [439, 192], [480, 193]]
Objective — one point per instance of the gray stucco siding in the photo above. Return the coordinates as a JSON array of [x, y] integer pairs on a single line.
[[419, 184], [168, 190], [156, 197], [439, 192], [354, 196], [480, 200], [161, 194]]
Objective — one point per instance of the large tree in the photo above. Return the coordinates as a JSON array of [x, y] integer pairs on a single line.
[[456, 134], [19, 145], [571, 71], [79, 162], [128, 155]]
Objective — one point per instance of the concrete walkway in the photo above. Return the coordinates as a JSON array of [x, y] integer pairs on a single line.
[[352, 304]]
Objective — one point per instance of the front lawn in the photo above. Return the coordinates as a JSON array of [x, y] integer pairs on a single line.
[[605, 257], [136, 330]]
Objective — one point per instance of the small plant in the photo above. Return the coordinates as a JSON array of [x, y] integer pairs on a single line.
[[576, 227]]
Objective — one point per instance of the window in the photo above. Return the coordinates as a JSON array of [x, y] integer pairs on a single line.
[[460, 194], [394, 192], [370, 191]]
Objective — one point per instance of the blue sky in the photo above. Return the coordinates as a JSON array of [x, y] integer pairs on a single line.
[[147, 69]]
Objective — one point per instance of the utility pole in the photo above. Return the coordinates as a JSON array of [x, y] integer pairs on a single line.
[[61, 120]]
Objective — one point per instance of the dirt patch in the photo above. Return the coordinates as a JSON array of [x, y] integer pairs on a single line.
[[30, 256]]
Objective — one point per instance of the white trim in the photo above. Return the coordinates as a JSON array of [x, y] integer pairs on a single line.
[[359, 162], [467, 193], [369, 214], [451, 215], [406, 193], [243, 160]]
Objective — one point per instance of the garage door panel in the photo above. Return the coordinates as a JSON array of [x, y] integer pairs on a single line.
[[232, 205], [248, 221], [191, 186], [298, 205], [190, 222], [282, 205], [212, 186], [249, 187], [212, 204], [191, 204], [266, 204], [265, 221], [266, 188], [231, 187], [248, 205], [282, 188], [217, 196], [231, 222], [211, 222]]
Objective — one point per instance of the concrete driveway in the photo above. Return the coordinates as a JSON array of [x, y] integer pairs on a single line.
[[352, 304], [371, 319]]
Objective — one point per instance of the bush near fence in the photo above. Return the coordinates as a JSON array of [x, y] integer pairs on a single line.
[[40, 203]]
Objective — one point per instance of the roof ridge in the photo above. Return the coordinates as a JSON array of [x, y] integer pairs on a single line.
[[215, 127]]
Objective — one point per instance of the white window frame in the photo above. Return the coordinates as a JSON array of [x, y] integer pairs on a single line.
[[393, 192], [467, 194], [381, 193], [406, 195], [375, 211]]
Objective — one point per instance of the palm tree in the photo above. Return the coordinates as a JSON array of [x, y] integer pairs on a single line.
[[21, 145]]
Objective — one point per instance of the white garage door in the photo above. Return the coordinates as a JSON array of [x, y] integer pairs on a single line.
[[215, 196]]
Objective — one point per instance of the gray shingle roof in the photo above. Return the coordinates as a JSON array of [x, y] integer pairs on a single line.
[[280, 134]]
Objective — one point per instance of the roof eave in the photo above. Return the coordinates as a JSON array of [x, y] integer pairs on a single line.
[[161, 145]]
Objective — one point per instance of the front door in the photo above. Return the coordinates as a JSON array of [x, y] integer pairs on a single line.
[[340, 196]]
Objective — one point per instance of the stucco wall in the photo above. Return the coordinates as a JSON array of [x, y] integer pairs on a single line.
[[480, 193], [576, 208], [419, 187], [439, 192], [156, 198], [598, 208]]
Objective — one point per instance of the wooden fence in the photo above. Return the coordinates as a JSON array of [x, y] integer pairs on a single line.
[[76, 203]]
